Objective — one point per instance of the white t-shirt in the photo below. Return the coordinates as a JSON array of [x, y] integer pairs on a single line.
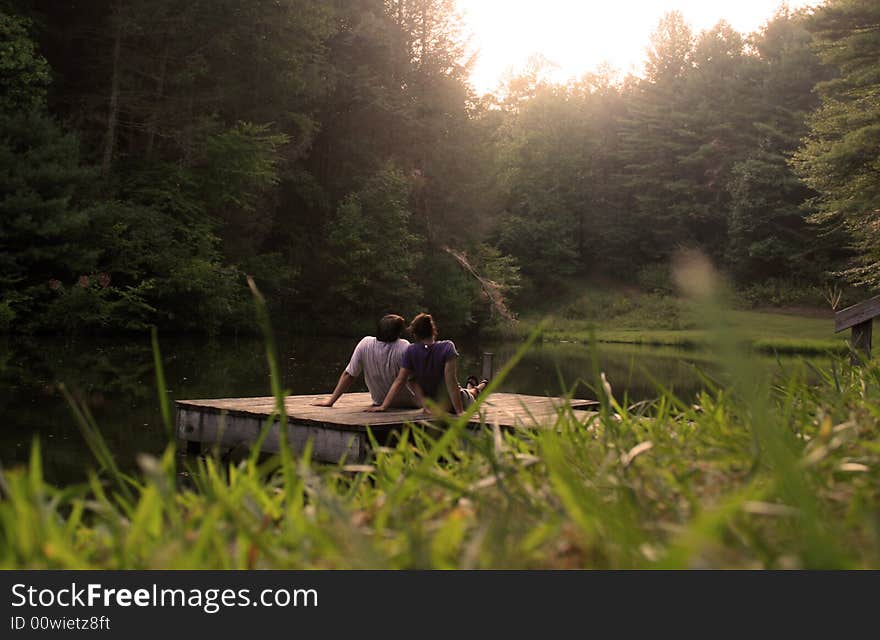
[[379, 362]]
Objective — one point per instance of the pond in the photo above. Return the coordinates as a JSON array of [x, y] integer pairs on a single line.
[[115, 377]]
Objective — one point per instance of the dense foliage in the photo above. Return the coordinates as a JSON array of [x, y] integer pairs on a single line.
[[840, 158], [620, 176], [154, 153], [326, 149]]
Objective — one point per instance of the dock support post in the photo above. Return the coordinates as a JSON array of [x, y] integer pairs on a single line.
[[861, 341], [486, 372]]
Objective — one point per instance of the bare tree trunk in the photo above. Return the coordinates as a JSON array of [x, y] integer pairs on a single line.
[[426, 26], [490, 287], [113, 115], [160, 91]]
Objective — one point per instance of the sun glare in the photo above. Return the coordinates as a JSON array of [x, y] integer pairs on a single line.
[[578, 36]]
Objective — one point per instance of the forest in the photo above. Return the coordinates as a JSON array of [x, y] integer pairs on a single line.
[[154, 154]]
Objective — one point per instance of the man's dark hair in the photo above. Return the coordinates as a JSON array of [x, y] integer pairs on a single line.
[[390, 328], [423, 327]]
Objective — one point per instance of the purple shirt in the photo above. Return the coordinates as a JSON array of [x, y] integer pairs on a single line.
[[427, 362]]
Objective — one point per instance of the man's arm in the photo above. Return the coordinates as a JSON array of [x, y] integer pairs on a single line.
[[450, 373], [398, 383], [342, 386]]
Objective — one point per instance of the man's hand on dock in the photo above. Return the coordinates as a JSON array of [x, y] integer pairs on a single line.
[[375, 409], [323, 403]]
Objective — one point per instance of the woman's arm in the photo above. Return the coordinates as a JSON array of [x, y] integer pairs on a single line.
[[399, 381], [419, 394], [342, 386], [450, 373]]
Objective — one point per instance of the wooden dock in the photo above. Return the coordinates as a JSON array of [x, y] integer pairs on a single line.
[[340, 430]]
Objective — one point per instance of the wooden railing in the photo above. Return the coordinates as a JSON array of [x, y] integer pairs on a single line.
[[859, 318]]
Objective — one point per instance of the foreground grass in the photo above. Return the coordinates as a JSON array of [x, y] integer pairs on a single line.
[[751, 476]]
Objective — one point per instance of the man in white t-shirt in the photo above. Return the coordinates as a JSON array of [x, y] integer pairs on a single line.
[[378, 359]]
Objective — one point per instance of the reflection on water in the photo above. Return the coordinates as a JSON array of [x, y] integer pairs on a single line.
[[115, 377], [635, 372]]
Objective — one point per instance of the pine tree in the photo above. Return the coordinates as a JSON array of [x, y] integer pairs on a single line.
[[42, 229], [840, 158], [769, 235], [657, 134]]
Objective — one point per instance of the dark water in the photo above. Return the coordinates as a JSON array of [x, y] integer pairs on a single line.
[[115, 378]]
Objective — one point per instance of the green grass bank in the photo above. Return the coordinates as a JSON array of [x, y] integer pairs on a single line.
[[625, 315]]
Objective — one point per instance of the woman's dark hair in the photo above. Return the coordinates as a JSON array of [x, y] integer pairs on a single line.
[[390, 328], [423, 327]]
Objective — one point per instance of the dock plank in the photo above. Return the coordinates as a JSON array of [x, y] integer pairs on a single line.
[[505, 409], [341, 430]]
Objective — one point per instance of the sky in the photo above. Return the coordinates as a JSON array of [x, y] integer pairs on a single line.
[[579, 35]]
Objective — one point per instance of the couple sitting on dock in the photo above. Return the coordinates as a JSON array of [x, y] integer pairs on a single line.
[[400, 375]]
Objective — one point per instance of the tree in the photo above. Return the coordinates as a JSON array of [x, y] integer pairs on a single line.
[[558, 157], [671, 50], [840, 157], [42, 229], [372, 251], [24, 74], [656, 135], [770, 236]]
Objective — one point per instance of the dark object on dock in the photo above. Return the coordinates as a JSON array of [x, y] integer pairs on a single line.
[[486, 370], [859, 318], [340, 430]]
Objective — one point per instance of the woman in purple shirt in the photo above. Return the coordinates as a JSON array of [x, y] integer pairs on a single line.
[[433, 367]]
